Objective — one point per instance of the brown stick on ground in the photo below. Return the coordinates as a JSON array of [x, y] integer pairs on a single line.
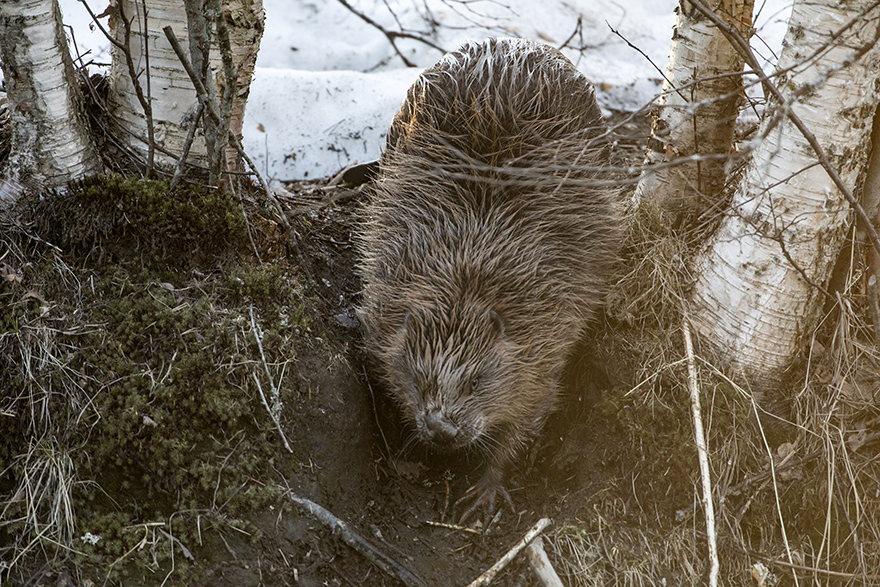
[[391, 567], [702, 452]]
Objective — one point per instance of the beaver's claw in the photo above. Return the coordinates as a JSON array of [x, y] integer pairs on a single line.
[[482, 495]]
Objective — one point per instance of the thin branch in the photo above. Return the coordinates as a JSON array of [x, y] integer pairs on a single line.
[[199, 33], [250, 229], [505, 560], [269, 375], [369, 551], [187, 144], [578, 28], [778, 237], [151, 145], [146, 106], [455, 527], [702, 452], [392, 35], [125, 47], [643, 54]]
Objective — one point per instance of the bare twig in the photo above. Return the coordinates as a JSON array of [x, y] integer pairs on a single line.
[[392, 36], [367, 549], [505, 560], [151, 145], [184, 153], [453, 527], [578, 28], [645, 55], [138, 90], [702, 453], [269, 375], [199, 33], [125, 47]]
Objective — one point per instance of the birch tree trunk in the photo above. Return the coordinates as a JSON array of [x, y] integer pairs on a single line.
[[756, 294], [50, 142], [698, 108], [170, 92]]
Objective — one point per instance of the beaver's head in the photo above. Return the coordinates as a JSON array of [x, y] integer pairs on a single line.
[[453, 370]]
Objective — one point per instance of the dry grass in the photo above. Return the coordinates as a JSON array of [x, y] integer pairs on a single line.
[[54, 398], [795, 471]]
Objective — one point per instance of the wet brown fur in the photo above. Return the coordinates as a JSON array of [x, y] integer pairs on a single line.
[[486, 245]]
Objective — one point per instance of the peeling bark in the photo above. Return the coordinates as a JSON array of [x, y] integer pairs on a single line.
[[172, 97], [757, 293], [698, 109], [50, 142]]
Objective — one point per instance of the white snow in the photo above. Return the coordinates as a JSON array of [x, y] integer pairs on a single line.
[[307, 124], [327, 83]]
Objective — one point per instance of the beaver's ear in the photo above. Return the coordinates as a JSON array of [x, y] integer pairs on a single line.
[[497, 322]]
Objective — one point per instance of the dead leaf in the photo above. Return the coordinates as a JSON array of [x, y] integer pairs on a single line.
[[9, 274], [37, 296]]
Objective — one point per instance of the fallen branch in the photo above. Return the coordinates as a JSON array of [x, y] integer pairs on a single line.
[[541, 564], [388, 565], [702, 453], [453, 527], [505, 560]]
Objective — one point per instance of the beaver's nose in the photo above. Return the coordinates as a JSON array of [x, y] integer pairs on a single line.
[[440, 429]]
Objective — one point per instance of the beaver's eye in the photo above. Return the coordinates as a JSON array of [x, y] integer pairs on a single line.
[[475, 383]]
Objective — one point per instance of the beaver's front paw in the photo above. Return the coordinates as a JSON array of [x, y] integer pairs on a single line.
[[481, 496]]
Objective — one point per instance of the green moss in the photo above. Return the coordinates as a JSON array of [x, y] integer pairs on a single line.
[[272, 289], [153, 392], [126, 218]]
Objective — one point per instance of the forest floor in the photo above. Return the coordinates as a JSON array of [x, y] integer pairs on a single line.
[[139, 442]]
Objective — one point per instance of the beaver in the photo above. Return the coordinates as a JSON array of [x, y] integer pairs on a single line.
[[488, 236]]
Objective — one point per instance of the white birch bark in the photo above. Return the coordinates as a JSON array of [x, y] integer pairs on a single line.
[[698, 108], [750, 302], [171, 94], [50, 139]]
